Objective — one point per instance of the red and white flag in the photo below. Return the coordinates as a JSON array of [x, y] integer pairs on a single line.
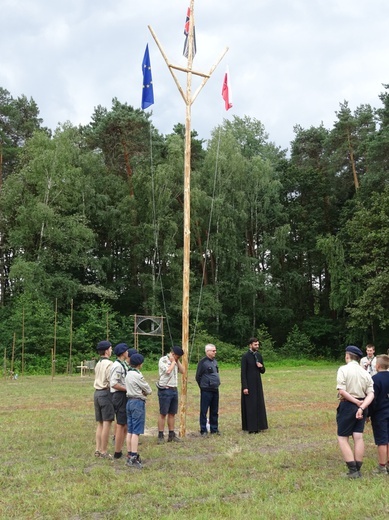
[[186, 33], [226, 91]]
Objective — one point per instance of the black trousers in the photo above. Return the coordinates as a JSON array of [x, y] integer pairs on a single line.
[[209, 400]]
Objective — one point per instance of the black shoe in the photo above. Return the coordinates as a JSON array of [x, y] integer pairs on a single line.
[[173, 438], [215, 433], [204, 434], [354, 474]]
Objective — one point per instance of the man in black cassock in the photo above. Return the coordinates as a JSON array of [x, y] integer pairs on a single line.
[[254, 417]]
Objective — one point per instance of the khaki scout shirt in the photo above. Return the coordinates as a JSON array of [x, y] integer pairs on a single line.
[[102, 373], [164, 378], [136, 385], [355, 380], [118, 375]]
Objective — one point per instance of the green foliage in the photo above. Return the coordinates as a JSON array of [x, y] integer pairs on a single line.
[[296, 246], [297, 345], [267, 345]]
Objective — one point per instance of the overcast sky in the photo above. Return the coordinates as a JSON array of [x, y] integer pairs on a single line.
[[290, 61]]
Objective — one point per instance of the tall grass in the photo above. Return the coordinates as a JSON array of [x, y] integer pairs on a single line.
[[293, 471]]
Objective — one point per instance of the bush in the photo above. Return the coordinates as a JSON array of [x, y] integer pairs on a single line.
[[297, 346]]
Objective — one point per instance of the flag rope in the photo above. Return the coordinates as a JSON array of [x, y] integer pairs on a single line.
[[206, 247], [156, 236]]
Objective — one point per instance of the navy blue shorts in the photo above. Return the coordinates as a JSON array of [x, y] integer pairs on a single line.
[[136, 416], [168, 401], [347, 421], [380, 430]]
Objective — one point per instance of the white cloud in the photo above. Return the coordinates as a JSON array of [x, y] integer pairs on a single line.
[[291, 61]]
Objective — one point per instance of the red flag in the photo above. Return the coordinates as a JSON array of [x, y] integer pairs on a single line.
[[226, 91]]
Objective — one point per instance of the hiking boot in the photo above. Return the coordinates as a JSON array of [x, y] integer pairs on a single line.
[[173, 438], [204, 434], [380, 470], [216, 433], [354, 474], [134, 462], [161, 440]]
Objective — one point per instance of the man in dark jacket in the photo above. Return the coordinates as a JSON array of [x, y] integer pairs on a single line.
[[254, 417], [208, 379]]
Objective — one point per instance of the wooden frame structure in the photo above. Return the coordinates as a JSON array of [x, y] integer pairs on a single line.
[[156, 321], [188, 100]]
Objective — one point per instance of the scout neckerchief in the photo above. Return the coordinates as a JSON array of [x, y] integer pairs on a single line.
[[124, 365], [132, 369]]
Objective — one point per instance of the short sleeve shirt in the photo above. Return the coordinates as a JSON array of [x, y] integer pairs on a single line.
[[354, 379], [164, 378], [118, 375], [102, 374], [370, 367]]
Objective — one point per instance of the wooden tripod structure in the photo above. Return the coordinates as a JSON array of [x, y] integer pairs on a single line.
[[188, 100]]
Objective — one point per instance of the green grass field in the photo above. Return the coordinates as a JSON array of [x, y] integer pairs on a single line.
[[293, 471]]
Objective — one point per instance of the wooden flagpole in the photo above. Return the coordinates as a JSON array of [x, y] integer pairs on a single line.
[[188, 100]]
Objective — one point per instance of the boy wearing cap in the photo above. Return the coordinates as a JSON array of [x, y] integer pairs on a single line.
[[104, 411], [118, 392], [168, 367], [355, 392], [379, 412], [137, 389]]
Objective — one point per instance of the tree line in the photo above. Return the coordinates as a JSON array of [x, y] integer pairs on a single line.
[[292, 246]]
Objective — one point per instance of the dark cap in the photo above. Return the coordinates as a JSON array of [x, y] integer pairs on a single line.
[[120, 349], [354, 350], [178, 351], [103, 346], [136, 360], [132, 351]]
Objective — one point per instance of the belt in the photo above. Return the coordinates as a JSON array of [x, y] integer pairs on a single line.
[[101, 389], [135, 398], [169, 388]]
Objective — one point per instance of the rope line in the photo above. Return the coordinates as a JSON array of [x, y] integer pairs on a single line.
[[206, 246], [156, 256]]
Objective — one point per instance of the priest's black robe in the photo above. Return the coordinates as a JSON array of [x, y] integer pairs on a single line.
[[253, 405]]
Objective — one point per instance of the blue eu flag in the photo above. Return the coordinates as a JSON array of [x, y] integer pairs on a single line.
[[147, 91]]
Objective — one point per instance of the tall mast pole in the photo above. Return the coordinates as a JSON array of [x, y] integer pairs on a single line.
[[186, 257], [188, 99]]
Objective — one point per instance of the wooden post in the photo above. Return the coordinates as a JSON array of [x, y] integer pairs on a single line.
[[23, 319], [13, 354], [188, 99], [54, 350], [186, 257], [52, 365], [71, 338]]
